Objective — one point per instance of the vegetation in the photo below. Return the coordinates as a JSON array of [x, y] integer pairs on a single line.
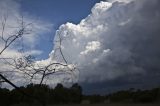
[[128, 96], [73, 95], [47, 95]]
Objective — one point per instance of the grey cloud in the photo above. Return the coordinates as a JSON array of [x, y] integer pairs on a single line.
[[131, 33]]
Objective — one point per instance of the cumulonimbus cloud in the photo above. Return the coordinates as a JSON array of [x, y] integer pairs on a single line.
[[119, 38]]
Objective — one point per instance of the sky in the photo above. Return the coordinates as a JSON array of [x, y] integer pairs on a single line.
[[114, 43], [57, 12]]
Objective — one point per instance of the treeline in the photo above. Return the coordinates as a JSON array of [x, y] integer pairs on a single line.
[[127, 96], [43, 94], [136, 96]]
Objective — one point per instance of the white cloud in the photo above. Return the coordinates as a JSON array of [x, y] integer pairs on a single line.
[[102, 45], [87, 46], [35, 29], [11, 10], [100, 8], [91, 47], [96, 43], [124, 1]]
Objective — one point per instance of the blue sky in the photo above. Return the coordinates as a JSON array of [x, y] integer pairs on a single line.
[[57, 12]]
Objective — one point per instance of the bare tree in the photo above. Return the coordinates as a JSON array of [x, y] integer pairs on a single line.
[[26, 65], [7, 40]]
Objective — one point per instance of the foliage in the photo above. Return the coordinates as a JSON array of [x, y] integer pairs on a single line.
[[47, 95], [73, 95]]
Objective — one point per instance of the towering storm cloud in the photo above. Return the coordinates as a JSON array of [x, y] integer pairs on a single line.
[[119, 39]]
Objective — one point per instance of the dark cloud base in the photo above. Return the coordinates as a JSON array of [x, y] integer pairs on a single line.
[[121, 83]]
